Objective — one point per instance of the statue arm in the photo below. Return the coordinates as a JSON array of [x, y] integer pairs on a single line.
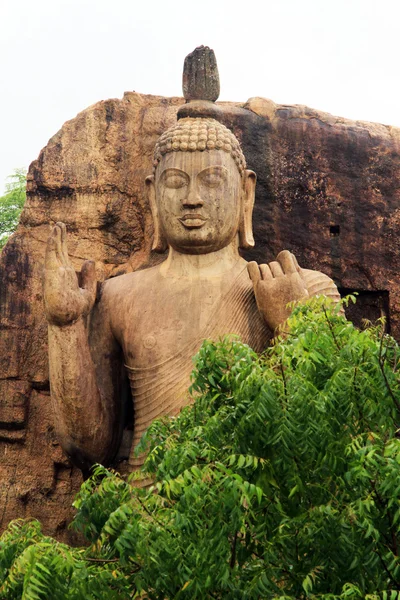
[[85, 374], [319, 284]]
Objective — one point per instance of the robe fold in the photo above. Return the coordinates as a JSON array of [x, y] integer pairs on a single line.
[[162, 389]]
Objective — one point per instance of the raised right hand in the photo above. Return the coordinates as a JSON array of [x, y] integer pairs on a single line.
[[64, 300]]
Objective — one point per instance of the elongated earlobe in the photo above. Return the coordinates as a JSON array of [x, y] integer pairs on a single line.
[[246, 239], [159, 243]]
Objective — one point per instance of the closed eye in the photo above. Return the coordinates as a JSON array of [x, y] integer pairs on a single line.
[[174, 179], [213, 176], [175, 182]]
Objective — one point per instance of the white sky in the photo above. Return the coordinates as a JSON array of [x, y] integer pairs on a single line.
[[59, 56]]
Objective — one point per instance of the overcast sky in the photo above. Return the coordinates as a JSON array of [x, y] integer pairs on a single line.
[[59, 56]]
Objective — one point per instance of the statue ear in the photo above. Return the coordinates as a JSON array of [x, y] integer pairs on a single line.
[[246, 239], [159, 244]]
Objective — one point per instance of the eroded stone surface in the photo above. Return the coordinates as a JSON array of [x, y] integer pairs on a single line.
[[328, 190], [200, 75]]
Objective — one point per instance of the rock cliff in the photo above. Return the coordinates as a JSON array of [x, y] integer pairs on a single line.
[[328, 190]]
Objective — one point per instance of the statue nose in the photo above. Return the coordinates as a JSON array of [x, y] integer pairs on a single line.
[[193, 199]]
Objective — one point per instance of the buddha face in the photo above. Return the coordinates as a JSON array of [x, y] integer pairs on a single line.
[[198, 200]]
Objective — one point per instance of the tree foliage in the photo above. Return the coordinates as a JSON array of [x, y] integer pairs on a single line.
[[280, 481], [11, 204]]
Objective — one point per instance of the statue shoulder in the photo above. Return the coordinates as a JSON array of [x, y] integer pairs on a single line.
[[121, 298], [319, 284], [126, 287]]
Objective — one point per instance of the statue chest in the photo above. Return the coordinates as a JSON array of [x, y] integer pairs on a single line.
[[165, 330], [166, 321], [173, 319]]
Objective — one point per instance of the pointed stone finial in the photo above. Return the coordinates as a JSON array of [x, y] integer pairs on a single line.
[[200, 75], [200, 85]]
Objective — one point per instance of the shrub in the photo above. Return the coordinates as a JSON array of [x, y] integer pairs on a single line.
[[281, 480]]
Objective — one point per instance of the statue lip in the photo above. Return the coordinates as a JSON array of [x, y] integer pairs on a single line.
[[193, 220]]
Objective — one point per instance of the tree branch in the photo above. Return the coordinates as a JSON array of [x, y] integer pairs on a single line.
[[331, 328], [233, 552], [381, 361]]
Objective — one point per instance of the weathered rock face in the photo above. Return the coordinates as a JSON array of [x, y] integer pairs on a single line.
[[328, 190]]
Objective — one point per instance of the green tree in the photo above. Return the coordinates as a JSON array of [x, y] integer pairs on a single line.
[[11, 204], [281, 481]]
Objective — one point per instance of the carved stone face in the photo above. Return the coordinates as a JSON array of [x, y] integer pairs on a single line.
[[198, 199]]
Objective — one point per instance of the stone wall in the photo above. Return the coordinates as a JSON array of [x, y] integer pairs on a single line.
[[328, 190]]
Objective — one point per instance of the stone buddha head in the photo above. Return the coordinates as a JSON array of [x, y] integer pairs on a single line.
[[201, 194]]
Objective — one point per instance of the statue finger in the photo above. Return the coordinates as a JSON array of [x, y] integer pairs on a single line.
[[285, 259], [296, 264], [254, 272], [265, 272], [64, 247], [56, 235], [276, 269], [51, 260]]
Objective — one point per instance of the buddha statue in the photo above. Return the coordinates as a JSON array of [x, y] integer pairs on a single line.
[[147, 325]]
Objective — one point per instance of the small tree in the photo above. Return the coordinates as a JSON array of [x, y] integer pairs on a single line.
[[11, 204], [281, 481]]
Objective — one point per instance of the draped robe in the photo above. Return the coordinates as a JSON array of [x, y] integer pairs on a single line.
[[160, 387]]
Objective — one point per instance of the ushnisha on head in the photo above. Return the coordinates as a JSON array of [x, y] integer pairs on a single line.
[[198, 135], [201, 195]]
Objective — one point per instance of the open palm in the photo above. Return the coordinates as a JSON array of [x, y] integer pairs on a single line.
[[64, 300], [276, 285]]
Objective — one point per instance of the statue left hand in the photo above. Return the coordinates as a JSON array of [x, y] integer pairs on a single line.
[[275, 286]]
